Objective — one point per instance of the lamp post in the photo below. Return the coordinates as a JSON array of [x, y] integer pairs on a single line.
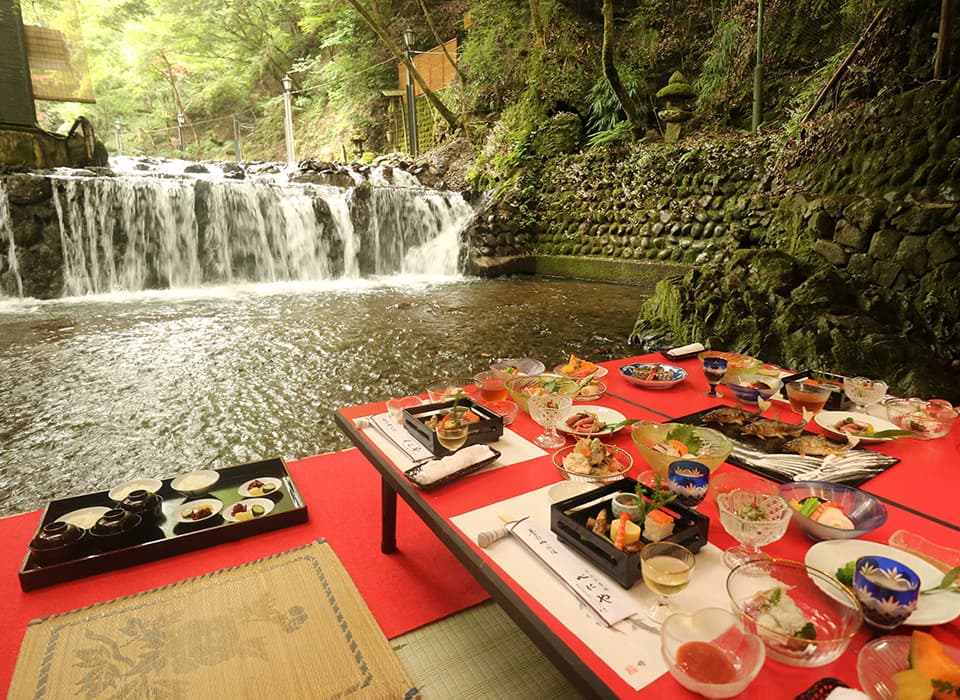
[[758, 72], [409, 37], [116, 134], [288, 118], [180, 121]]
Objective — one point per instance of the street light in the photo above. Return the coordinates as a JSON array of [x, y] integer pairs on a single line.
[[409, 37], [288, 118]]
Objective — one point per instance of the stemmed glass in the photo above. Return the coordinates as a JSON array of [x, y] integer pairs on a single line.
[[753, 512], [864, 392], [666, 569], [545, 410], [453, 435], [714, 369], [688, 481]]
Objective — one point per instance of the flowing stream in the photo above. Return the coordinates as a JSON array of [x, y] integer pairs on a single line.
[[100, 389]]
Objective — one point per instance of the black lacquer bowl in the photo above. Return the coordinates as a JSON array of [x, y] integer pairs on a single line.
[[116, 528], [55, 542]]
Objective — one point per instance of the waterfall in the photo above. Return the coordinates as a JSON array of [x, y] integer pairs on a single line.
[[6, 225], [135, 232]]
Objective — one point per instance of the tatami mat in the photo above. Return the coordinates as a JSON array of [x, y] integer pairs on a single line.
[[478, 653]]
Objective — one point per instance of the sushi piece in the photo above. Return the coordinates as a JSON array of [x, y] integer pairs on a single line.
[[657, 526]]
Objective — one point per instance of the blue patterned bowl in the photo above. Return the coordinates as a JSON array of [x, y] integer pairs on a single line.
[[663, 376], [749, 386]]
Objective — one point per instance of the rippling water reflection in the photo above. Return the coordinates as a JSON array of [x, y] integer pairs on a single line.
[[96, 391]]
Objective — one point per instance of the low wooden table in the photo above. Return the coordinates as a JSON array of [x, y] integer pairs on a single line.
[[913, 502]]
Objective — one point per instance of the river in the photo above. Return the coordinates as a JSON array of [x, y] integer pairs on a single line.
[[100, 389]]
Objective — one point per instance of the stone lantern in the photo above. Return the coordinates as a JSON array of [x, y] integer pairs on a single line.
[[357, 140], [677, 95]]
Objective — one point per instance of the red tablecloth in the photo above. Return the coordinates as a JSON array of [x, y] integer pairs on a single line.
[[923, 480]]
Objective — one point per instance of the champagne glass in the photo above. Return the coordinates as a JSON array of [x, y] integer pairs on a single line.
[[688, 481], [666, 569], [714, 369], [863, 392], [752, 511], [545, 410]]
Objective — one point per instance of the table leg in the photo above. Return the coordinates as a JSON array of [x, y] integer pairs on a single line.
[[388, 517]]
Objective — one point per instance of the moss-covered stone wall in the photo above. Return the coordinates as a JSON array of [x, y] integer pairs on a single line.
[[837, 247]]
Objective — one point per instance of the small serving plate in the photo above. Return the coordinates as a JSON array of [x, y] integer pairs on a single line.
[[828, 420], [599, 388], [248, 503], [84, 517], [248, 489], [121, 491], [881, 658], [607, 415], [637, 372], [599, 373], [184, 509]]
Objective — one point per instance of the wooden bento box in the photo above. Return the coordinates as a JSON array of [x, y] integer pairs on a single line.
[[416, 420]]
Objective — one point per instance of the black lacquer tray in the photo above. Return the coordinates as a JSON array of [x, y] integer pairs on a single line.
[[750, 444], [167, 536], [488, 429], [570, 526]]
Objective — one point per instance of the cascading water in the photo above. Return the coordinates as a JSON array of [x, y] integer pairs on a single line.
[[6, 227], [135, 232]]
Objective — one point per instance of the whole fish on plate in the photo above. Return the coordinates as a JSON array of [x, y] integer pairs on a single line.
[[815, 445], [769, 428], [729, 415]]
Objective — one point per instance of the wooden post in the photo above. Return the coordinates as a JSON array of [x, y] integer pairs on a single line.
[[941, 61], [758, 71]]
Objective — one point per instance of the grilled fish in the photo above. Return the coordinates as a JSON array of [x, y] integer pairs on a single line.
[[729, 415], [769, 428], [815, 445]]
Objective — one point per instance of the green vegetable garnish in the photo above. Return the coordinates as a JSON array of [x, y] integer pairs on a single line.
[[947, 583], [845, 573], [753, 512], [808, 631], [687, 434], [809, 505]]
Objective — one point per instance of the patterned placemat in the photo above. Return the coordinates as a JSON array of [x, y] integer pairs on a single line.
[[289, 625]]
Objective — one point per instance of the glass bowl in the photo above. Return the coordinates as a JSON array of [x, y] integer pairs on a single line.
[[518, 367], [449, 388], [619, 464], [881, 658], [866, 512], [507, 409], [925, 419], [522, 388], [748, 386], [737, 363], [807, 596], [652, 439], [395, 407], [740, 652]]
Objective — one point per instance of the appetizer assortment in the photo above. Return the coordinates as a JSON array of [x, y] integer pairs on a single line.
[[595, 458], [823, 511], [578, 368], [584, 423]]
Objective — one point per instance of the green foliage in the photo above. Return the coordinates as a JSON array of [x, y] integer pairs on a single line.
[[604, 113], [620, 133], [726, 67]]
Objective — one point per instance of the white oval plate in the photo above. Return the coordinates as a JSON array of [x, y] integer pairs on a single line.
[[84, 517], [215, 504], [249, 503], [607, 415], [828, 419], [569, 489], [881, 658], [244, 489], [936, 609], [118, 493]]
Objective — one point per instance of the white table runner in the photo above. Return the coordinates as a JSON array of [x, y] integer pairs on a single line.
[[631, 648]]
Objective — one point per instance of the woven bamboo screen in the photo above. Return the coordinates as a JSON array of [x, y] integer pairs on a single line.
[[57, 58]]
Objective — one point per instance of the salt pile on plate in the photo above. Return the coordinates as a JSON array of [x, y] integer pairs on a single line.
[[436, 469]]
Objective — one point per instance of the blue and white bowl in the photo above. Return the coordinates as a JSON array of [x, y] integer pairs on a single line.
[[688, 481], [637, 372], [887, 589]]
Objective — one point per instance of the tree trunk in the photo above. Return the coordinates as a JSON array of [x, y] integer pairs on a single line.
[[941, 62], [382, 34], [536, 21], [613, 77], [440, 42]]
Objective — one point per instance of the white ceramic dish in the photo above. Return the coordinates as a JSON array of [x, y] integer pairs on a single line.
[[828, 419], [249, 503], [121, 491], [84, 517], [881, 658], [215, 505], [599, 374], [607, 415], [937, 609], [195, 483], [248, 490], [599, 387]]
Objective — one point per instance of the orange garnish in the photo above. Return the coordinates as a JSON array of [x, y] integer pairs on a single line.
[[680, 447]]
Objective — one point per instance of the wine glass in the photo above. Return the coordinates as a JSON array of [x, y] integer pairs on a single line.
[[545, 409], [688, 481], [666, 569], [452, 436], [714, 369], [864, 392], [752, 511]]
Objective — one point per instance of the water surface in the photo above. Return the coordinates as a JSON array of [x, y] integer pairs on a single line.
[[97, 390]]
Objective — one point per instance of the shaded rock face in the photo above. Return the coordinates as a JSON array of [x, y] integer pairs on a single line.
[[868, 246]]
